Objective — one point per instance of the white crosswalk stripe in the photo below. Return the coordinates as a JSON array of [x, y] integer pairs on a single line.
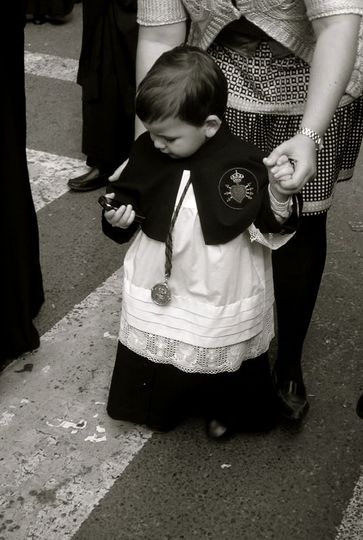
[[351, 527], [49, 174], [54, 67], [68, 452]]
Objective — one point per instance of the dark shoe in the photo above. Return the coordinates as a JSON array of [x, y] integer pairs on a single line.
[[291, 395], [93, 179], [360, 406], [217, 431]]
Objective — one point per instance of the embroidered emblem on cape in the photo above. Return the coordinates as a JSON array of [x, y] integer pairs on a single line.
[[237, 186]]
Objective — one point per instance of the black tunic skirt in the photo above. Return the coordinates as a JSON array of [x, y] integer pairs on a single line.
[[161, 396]]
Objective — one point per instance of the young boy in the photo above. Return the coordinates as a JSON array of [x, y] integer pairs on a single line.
[[197, 310]]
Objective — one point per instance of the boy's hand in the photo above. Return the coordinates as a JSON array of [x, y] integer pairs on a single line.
[[283, 170], [122, 217]]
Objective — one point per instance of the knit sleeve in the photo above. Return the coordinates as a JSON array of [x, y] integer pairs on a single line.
[[323, 8], [160, 12]]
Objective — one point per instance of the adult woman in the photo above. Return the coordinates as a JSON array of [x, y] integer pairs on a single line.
[[295, 81]]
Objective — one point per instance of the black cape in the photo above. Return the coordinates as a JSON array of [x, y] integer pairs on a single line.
[[230, 184]]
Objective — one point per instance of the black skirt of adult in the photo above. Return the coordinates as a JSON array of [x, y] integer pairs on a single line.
[[21, 285]]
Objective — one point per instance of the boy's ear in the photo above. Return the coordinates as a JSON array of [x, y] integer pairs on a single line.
[[212, 125]]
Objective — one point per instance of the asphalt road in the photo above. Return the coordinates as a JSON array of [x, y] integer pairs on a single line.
[[68, 471]]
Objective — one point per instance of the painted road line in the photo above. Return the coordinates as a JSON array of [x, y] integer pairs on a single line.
[[49, 174], [62, 452], [47, 65], [351, 527]]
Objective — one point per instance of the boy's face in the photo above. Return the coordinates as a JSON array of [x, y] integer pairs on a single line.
[[176, 138]]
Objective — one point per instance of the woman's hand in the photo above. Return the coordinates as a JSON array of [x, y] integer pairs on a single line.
[[302, 152], [281, 171], [122, 217]]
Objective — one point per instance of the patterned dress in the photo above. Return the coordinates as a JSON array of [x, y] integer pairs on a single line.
[[263, 91]]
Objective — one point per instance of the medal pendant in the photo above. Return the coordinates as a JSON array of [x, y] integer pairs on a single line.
[[160, 294]]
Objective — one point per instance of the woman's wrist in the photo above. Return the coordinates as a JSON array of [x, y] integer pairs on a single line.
[[313, 135]]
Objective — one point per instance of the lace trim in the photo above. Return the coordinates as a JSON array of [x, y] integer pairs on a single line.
[[194, 359], [281, 210], [270, 240]]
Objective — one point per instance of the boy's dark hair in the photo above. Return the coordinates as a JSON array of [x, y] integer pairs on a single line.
[[184, 83]]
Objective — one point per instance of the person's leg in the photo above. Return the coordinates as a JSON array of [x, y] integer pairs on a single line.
[[241, 401], [108, 114], [298, 268]]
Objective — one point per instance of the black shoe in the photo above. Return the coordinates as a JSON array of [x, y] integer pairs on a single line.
[[291, 395], [360, 406], [93, 179]]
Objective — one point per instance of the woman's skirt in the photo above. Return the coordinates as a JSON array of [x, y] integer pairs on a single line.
[[267, 95]]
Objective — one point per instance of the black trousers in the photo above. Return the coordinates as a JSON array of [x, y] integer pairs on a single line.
[[107, 76], [298, 268]]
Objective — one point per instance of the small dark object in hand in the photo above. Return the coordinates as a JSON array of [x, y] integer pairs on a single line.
[[112, 204]]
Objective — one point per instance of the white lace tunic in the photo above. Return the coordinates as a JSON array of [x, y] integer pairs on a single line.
[[221, 311]]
